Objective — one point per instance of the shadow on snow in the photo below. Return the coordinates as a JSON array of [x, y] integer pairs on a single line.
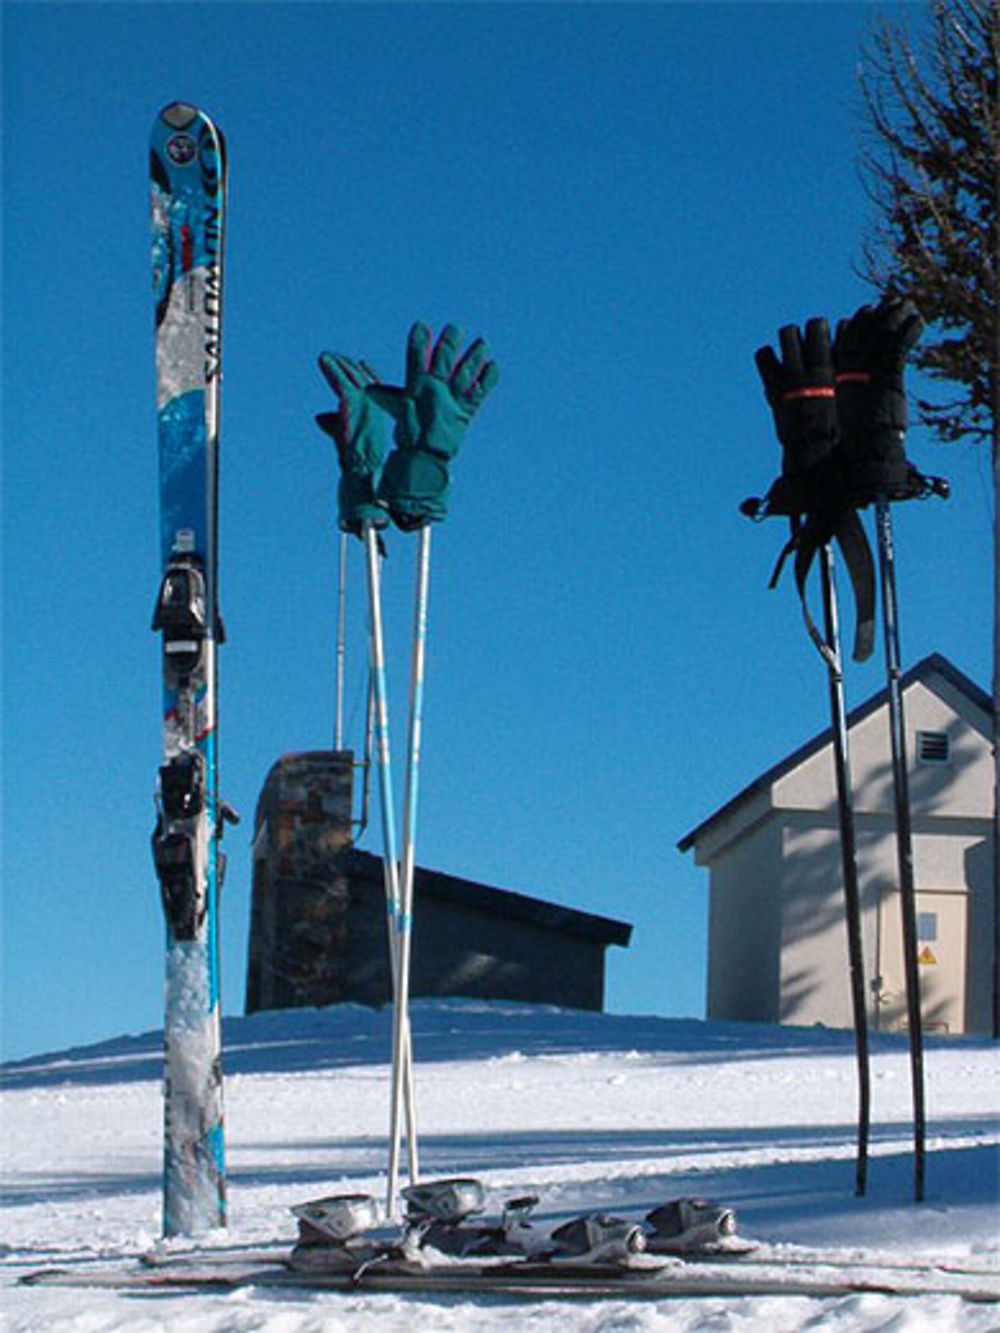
[[786, 1173], [352, 1035]]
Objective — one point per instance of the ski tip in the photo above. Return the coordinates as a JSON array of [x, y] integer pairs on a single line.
[[179, 115], [182, 134]]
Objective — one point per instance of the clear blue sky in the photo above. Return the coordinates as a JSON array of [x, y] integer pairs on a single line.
[[626, 200]]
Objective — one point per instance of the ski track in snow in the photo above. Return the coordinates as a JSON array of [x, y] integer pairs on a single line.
[[589, 1111]]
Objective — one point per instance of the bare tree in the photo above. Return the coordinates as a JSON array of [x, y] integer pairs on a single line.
[[931, 163]]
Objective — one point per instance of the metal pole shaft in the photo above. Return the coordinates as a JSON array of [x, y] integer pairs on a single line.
[[402, 1059], [408, 863], [338, 722], [848, 847], [366, 767], [904, 836]]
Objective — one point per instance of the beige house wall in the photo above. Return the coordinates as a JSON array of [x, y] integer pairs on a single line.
[[745, 930], [963, 787], [777, 933]]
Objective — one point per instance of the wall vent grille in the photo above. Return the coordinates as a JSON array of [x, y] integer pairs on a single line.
[[933, 747]]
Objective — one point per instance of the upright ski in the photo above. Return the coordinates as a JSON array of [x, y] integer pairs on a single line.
[[188, 199]]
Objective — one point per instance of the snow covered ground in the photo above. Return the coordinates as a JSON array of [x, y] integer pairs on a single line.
[[589, 1111]]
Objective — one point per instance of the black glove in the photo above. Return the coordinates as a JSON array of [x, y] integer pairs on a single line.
[[870, 354], [800, 390], [812, 489]]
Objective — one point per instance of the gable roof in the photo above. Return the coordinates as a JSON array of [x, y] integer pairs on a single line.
[[934, 664]]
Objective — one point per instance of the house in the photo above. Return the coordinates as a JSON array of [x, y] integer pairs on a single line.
[[318, 928], [777, 939]]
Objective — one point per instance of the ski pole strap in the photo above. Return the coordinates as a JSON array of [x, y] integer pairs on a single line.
[[853, 542], [789, 546], [849, 534]]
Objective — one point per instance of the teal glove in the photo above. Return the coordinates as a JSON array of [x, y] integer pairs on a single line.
[[358, 431], [431, 413]]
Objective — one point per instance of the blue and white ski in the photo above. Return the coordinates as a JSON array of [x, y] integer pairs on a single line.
[[188, 199]]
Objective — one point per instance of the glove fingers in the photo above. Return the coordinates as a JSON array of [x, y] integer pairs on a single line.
[[893, 311], [791, 348], [818, 355], [879, 336], [904, 323], [331, 373], [417, 353], [842, 342], [340, 371], [769, 369], [469, 366], [486, 380], [851, 340], [443, 356]]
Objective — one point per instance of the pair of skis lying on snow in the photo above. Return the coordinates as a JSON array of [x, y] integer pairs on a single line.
[[684, 1248]]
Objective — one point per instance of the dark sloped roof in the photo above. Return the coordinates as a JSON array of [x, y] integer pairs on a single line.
[[935, 663], [500, 902]]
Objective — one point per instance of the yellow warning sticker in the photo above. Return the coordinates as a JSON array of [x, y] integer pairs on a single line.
[[927, 955]]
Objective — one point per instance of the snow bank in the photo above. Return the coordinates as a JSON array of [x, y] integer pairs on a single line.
[[586, 1110]]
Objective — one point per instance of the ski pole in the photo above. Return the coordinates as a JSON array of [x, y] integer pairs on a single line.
[[848, 851], [361, 822], [338, 724], [408, 863], [366, 765], [904, 835], [403, 1069]]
